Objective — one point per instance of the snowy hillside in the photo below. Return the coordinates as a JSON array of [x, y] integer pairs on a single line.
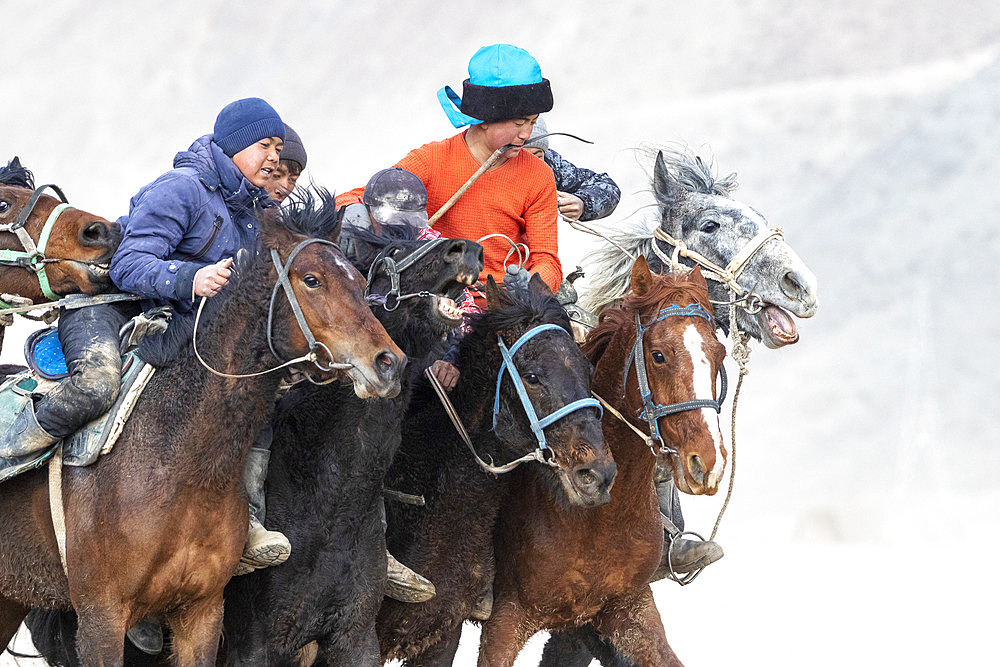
[[866, 497]]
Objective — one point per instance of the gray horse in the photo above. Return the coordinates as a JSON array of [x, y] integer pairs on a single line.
[[696, 207], [697, 219]]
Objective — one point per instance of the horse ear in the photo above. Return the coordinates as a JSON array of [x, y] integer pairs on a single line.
[[666, 189], [539, 286], [642, 277], [697, 278], [495, 297]]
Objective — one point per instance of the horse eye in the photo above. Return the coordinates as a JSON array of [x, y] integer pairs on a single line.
[[709, 227], [4, 206], [531, 378], [311, 281], [658, 357]]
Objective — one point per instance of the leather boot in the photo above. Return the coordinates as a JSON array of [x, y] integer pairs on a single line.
[[147, 636], [24, 435], [406, 585], [679, 554], [263, 548], [686, 556]]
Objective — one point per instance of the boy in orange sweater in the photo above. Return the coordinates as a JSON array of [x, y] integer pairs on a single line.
[[516, 197]]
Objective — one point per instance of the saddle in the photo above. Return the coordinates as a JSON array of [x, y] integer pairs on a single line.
[[46, 369]]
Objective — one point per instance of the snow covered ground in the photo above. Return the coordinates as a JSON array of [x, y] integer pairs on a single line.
[[864, 521]]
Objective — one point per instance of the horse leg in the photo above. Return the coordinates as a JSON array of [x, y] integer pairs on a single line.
[[196, 633], [505, 634], [11, 615], [633, 624], [441, 654], [100, 635], [577, 647], [359, 649]]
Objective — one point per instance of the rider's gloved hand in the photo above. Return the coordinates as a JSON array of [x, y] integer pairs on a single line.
[[516, 278], [150, 323]]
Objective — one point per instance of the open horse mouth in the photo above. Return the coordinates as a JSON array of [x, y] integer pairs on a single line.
[[777, 327], [443, 304]]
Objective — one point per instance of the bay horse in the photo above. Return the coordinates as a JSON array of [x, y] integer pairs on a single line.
[[72, 258], [450, 540], [561, 567], [330, 453], [696, 207], [157, 526]]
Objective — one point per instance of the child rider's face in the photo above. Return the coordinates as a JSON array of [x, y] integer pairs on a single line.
[[515, 132], [258, 161], [282, 183]]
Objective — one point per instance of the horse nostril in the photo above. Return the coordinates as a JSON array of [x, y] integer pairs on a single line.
[[597, 477], [696, 468], [386, 363], [455, 252], [93, 232], [792, 285]]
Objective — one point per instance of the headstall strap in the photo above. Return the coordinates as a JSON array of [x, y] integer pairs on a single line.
[[732, 271], [393, 269], [33, 257], [649, 411]]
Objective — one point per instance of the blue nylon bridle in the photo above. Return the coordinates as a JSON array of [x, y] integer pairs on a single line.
[[652, 412], [537, 425]]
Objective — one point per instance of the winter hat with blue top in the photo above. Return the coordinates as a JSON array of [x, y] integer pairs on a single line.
[[504, 83], [245, 122]]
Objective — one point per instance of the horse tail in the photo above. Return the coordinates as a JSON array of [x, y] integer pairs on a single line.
[[53, 632], [611, 268]]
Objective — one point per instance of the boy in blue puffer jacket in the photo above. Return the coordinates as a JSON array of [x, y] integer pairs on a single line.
[[179, 240]]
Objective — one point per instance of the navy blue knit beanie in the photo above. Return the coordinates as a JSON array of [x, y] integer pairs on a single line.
[[244, 122], [293, 150]]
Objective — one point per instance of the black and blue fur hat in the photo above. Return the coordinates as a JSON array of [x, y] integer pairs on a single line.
[[505, 82]]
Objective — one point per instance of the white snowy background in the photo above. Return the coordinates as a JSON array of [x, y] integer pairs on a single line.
[[863, 528]]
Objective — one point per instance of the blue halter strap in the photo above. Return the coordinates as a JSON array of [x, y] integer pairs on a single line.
[[652, 412], [537, 425]]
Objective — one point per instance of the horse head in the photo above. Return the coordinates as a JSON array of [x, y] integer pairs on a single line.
[[415, 279], [696, 209], [327, 294], [73, 247], [681, 359], [554, 375]]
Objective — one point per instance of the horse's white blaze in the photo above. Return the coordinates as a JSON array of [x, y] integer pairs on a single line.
[[702, 380], [343, 264]]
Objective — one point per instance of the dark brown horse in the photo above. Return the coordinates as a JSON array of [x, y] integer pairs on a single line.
[[74, 253], [450, 540], [560, 567], [157, 526]]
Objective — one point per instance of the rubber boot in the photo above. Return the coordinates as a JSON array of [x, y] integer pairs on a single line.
[[147, 636], [263, 548], [403, 584], [24, 435]]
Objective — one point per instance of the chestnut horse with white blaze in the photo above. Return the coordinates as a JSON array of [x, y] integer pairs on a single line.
[[560, 567]]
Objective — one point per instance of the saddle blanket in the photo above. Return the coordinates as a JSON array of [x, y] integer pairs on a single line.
[[90, 442]]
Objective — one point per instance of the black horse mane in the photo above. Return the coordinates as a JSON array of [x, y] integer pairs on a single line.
[[311, 211], [370, 243], [526, 308], [16, 175]]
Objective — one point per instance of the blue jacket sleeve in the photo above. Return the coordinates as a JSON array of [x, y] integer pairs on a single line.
[[158, 221], [600, 194]]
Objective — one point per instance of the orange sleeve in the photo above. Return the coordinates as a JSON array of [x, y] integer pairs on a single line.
[[350, 197], [541, 235]]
